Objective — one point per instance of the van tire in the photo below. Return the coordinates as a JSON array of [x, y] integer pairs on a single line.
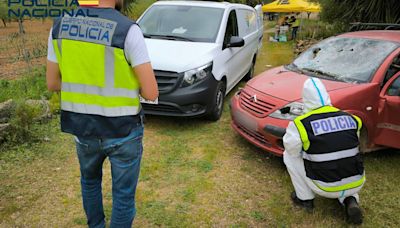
[[250, 73], [217, 105]]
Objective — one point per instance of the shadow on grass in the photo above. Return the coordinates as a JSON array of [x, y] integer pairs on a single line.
[[383, 154]]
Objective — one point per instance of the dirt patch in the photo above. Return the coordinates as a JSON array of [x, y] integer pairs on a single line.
[[19, 54]]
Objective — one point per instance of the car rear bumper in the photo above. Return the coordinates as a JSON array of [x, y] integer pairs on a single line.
[[265, 132]]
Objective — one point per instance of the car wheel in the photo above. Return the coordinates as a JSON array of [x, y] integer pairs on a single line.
[[250, 73], [217, 104]]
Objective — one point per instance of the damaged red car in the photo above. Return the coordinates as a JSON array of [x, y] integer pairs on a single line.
[[360, 70]]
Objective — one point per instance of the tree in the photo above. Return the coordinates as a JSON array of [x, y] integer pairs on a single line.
[[3, 12], [373, 11]]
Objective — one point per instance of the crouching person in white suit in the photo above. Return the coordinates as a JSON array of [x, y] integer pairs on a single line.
[[321, 153]]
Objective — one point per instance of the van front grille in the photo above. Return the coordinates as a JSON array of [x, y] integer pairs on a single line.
[[167, 80]]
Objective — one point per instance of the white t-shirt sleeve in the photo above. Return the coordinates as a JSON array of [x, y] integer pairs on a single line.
[[51, 54], [135, 47]]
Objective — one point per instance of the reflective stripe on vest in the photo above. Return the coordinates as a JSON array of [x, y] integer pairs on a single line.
[[98, 110], [330, 156], [107, 88], [344, 184]]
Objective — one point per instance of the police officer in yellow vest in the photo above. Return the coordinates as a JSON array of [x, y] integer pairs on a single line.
[[101, 65], [295, 24], [321, 153]]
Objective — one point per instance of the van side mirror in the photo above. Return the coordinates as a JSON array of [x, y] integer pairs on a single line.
[[235, 41]]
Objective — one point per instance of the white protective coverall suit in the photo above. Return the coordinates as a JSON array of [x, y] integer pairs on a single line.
[[292, 156]]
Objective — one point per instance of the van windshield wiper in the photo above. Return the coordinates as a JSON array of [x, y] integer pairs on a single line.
[[167, 37]]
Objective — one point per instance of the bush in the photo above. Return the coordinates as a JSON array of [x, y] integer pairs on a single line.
[[346, 11], [138, 7], [27, 110], [21, 123], [30, 87], [314, 29], [55, 103]]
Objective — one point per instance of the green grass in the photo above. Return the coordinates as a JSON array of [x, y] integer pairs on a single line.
[[194, 173], [273, 54], [29, 87]]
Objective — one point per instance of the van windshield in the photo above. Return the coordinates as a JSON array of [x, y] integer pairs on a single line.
[[187, 23], [345, 58]]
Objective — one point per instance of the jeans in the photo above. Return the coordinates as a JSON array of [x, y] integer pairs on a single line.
[[125, 155]]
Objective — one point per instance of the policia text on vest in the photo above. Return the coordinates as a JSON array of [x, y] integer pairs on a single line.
[[88, 29], [333, 124]]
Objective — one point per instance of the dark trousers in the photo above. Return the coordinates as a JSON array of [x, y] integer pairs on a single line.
[[294, 32]]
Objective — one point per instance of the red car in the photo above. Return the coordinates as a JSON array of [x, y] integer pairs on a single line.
[[360, 70]]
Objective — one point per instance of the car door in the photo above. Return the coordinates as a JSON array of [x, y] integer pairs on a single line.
[[388, 127]]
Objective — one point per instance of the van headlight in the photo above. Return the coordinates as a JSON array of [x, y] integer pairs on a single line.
[[289, 112], [195, 75]]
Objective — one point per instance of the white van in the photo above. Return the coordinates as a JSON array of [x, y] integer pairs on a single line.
[[199, 51]]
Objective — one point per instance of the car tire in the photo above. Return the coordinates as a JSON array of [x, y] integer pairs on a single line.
[[217, 105], [250, 73]]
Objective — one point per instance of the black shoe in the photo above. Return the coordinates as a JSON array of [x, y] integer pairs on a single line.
[[353, 211], [306, 204]]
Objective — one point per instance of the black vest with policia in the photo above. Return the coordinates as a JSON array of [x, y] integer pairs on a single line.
[[330, 148]]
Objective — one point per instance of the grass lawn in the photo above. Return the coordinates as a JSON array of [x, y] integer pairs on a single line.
[[194, 173]]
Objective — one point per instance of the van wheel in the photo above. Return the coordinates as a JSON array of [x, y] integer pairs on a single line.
[[217, 105], [250, 73]]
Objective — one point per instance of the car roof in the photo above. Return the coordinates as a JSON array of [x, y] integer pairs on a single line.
[[223, 5], [388, 35]]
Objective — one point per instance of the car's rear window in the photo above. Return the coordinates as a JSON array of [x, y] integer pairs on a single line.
[[344, 58]]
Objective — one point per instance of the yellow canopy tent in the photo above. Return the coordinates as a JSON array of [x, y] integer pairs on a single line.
[[287, 6]]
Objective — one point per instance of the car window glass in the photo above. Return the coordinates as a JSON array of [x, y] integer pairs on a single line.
[[394, 88], [393, 69], [195, 23], [247, 21], [231, 27], [346, 58]]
